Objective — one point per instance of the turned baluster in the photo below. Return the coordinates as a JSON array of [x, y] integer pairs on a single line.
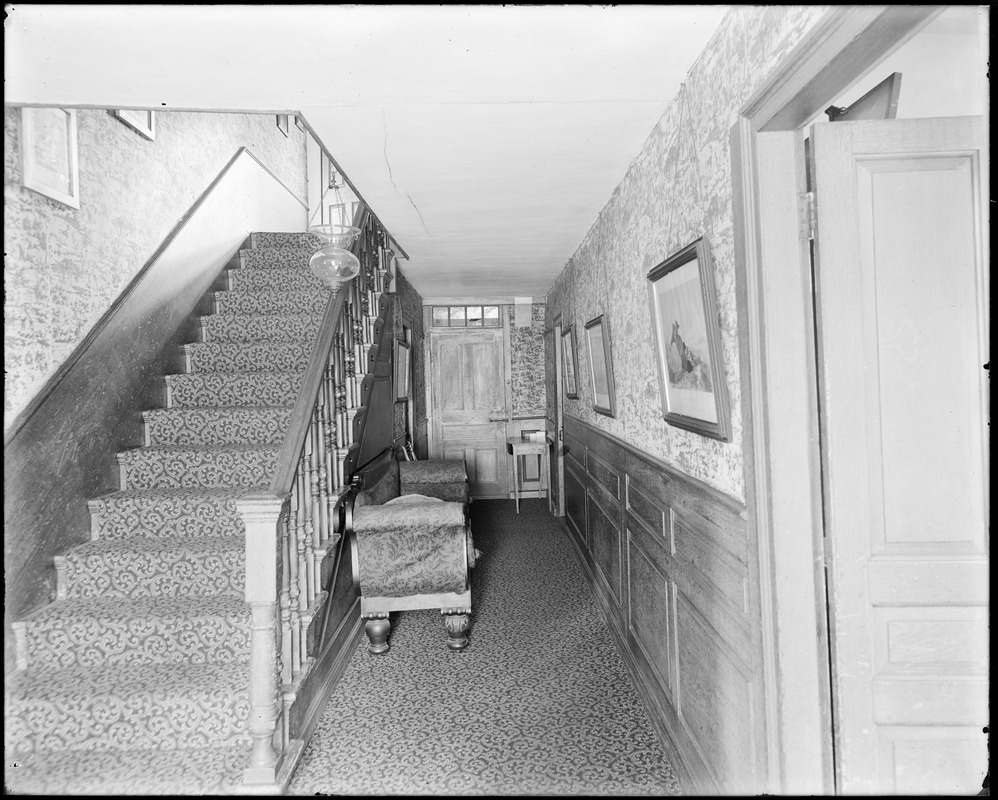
[[294, 586], [284, 531], [312, 544]]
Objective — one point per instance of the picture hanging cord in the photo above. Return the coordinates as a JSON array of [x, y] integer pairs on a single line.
[[683, 103], [337, 196]]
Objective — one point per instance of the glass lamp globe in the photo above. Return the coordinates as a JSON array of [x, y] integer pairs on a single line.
[[333, 263]]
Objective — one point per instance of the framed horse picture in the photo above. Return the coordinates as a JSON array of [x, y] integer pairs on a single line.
[[687, 338]]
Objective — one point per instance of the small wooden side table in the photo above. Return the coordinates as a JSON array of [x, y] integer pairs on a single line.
[[518, 447]]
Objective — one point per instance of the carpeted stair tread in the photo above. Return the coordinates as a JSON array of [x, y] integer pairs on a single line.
[[206, 425], [246, 356], [299, 281], [309, 300], [194, 771], [260, 327], [190, 467], [143, 630], [168, 512], [164, 705], [166, 566], [278, 388]]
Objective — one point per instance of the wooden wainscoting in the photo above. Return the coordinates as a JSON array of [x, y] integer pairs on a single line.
[[670, 561]]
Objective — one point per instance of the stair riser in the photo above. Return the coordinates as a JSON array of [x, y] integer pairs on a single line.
[[215, 390], [269, 240], [291, 328], [210, 427], [230, 357], [278, 259], [104, 722], [157, 518], [311, 301], [79, 641], [130, 773], [191, 469], [163, 573]]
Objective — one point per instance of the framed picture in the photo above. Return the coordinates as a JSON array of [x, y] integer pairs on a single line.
[[143, 121], [687, 338], [401, 370], [50, 163], [283, 124], [570, 362], [601, 366]]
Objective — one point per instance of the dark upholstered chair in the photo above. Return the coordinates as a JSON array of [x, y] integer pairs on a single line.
[[411, 545]]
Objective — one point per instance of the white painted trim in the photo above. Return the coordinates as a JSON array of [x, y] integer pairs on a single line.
[[781, 453], [499, 300]]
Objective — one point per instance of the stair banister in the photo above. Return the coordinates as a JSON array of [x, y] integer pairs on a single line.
[[289, 525]]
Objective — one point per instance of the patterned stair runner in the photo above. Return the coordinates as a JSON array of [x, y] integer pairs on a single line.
[[134, 680]]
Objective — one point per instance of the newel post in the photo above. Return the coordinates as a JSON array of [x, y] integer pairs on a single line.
[[260, 514]]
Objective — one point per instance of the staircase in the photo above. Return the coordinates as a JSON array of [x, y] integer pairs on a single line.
[[134, 680]]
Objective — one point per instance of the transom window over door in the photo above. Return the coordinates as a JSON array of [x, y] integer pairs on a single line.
[[466, 317]]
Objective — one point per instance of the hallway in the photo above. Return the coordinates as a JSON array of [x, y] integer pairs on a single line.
[[539, 703]]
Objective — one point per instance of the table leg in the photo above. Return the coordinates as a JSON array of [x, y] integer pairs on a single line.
[[547, 478], [516, 482]]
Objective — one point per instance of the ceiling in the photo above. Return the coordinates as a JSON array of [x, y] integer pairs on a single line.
[[486, 138]]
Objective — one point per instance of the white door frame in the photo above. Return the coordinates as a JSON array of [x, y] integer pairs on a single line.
[[778, 377]]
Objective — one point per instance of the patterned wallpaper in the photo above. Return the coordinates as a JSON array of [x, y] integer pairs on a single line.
[[410, 305], [527, 363], [64, 267], [676, 190]]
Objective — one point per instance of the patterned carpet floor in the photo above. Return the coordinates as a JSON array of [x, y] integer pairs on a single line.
[[540, 703]]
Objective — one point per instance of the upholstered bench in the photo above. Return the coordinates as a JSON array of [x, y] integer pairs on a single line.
[[411, 545]]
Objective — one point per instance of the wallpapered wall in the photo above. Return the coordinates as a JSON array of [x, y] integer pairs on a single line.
[[410, 306], [676, 190], [64, 267], [527, 363]]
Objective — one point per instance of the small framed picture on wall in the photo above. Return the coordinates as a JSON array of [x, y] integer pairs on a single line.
[[142, 121], [401, 370], [601, 366], [49, 154], [570, 362]]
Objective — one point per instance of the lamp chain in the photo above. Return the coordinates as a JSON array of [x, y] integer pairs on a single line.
[[335, 186]]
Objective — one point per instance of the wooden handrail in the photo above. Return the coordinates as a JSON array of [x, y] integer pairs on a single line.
[[301, 416]]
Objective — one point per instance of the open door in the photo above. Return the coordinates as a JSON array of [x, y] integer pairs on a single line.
[[901, 274]]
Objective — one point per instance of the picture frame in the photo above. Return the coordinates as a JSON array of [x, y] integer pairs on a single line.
[[601, 366], [50, 161], [142, 121], [401, 370], [687, 340], [283, 124], [570, 363]]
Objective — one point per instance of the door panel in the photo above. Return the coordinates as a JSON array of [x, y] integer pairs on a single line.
[[469, 412], [901, 289]]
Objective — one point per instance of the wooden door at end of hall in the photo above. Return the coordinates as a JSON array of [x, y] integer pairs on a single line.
[[469, 409]]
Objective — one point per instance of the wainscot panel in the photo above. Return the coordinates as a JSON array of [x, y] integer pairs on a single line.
[[670, 562], [604, 545], [575, 499]]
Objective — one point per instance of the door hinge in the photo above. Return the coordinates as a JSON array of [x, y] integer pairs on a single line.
[[808, 217]]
